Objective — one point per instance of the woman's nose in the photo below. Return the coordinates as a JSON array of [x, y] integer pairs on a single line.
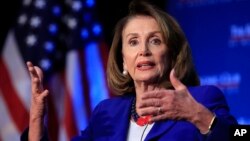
[[144, 51]]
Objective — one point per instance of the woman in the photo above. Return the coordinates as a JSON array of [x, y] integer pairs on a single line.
[[150, 68]]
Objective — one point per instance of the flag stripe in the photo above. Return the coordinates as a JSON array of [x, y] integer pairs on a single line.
[[52, 118], [95, 73], [85, 83], [17, 69], [104, 52], [9, 131], [69, 119], [18, 111], [74, 81]]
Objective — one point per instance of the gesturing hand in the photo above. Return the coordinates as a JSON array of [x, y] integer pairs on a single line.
[[167, 103], [38, 98], [38, 103]]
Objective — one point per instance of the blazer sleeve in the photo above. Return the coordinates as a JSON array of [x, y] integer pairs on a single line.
[[217, 103]]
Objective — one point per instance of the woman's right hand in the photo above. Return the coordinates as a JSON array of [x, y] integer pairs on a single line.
[[38, 103]]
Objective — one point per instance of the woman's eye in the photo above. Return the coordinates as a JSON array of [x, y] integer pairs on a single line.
[[155, 41], [133, 42]]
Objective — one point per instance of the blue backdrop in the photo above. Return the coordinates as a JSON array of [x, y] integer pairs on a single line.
[[219, 35]]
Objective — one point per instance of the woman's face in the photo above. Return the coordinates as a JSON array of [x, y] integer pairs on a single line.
[[144, 50]]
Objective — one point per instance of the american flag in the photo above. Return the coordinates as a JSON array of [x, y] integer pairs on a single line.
[[65, 39]]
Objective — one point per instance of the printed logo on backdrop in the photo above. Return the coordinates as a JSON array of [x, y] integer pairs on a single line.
[[239, 36], [228, 82], [198, 3]]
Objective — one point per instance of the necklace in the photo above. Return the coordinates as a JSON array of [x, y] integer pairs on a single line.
[[141, 121]]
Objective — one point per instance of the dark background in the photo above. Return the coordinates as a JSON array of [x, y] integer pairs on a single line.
[[9, 10]]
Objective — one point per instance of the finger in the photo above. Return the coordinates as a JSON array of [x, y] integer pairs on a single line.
[[175, 81], [148, 111], [35, 71], [146, 88], [33, 74], [152, 102], [158, 118], [32, 70], [158, 94], [39, 73], [36, 77], [152, 94], [44, 94]]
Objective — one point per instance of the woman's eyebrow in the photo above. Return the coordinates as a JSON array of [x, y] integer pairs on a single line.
[[131, 34]]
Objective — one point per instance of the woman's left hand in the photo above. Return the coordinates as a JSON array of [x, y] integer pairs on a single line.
[[175, 103]]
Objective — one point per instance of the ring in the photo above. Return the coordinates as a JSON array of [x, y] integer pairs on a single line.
[[159, 110]]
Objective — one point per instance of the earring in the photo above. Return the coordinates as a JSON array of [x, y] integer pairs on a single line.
[[125, 72]]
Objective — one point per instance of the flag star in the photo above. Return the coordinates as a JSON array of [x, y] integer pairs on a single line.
[[53, 28], [96, 29], [27, 2], [84, 33], [31, 40], [40, 4], [22, 19], [76, 5], [90, 3], [45, 64], [49, 46], [72, 23], [35, 21], [56, 10]]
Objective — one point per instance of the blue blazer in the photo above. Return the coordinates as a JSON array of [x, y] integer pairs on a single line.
[[110, 120]]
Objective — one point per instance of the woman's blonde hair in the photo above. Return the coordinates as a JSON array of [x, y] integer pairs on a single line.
[[179, 51]]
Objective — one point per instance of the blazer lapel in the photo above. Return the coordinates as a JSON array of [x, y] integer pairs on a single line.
[[160, 128], [122, 120]]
